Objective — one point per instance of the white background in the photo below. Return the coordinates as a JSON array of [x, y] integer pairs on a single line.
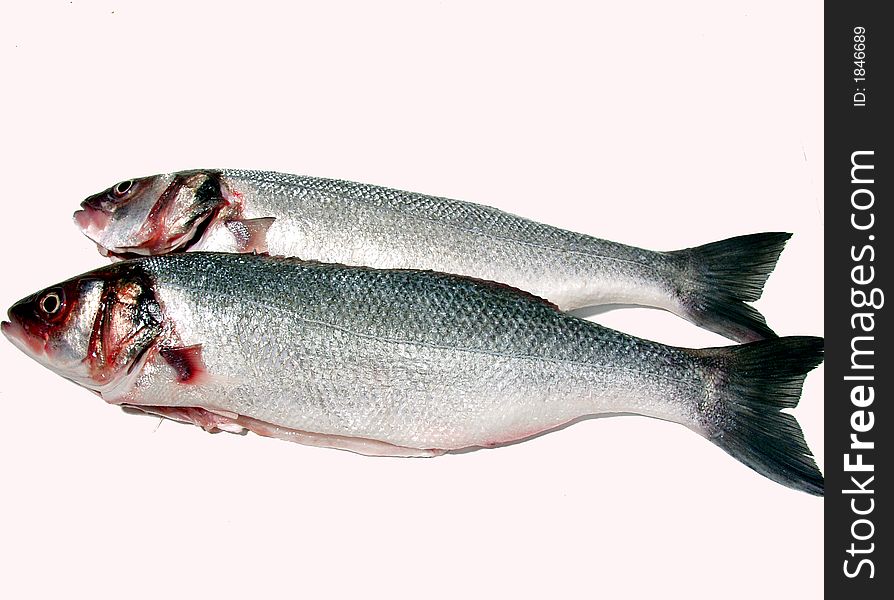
[[663, 125]]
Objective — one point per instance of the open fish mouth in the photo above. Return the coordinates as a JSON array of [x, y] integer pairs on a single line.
[[91, 222]]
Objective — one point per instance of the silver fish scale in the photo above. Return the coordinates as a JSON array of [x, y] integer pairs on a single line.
[[360, 224], [475, 217], [419, 359]]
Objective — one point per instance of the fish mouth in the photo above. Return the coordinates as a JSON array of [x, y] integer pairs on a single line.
[[19, 338], [91, 221]]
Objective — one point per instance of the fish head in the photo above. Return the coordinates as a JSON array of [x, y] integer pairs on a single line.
[[95, 330], [152, 215]]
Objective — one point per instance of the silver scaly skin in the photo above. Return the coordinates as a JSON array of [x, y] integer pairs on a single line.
[[396, 362], [366, 225]]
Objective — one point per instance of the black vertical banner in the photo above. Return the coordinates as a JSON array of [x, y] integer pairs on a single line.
[[859, 360]]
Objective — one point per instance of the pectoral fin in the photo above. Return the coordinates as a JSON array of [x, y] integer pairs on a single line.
[[250, 234], [186, 361]]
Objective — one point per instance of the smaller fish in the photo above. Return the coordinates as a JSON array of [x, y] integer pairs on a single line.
[[365, 225]]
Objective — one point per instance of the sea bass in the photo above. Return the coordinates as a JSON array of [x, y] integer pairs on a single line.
[[356, 224], [395, 362]]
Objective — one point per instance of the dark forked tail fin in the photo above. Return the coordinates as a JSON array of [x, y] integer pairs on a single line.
[[717, 280], [754, 382]]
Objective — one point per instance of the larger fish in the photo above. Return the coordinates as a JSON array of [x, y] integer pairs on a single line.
[[357, 224], [393, 362]]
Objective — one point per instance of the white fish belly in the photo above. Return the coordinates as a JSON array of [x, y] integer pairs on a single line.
[[419, 396]]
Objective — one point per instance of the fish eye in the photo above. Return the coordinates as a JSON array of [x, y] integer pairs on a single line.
[[122, 188], [50, 303]]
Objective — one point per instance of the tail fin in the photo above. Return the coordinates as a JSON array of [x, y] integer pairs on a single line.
[[719, 278], [754, 383]]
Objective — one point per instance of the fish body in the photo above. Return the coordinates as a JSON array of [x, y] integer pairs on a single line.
[[357, 224], [395, 362]]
